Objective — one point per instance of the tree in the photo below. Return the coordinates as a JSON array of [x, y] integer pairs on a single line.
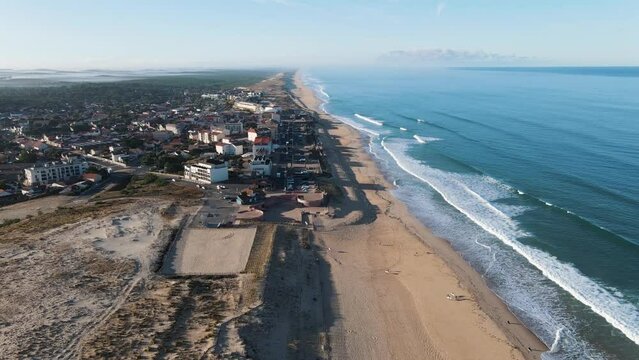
[[133, 143], [93, 170], [174, 164], [149, 159], [27, 156]]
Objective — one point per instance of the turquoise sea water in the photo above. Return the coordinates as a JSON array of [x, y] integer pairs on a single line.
[[531, 174]]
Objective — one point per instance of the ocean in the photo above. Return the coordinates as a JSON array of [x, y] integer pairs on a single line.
[[532, 174]]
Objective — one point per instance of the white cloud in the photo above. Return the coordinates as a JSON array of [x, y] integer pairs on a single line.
[[448, 56]]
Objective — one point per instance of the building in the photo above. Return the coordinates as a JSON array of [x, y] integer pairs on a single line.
[[55, 171], [252, 134], [226, 147], [248, 106], [90, 177], [206, 173], [233, 128], [260, 132], [250, 197], [262, 146], [212, 136], [174, 128], [121, 158], [261, 166]]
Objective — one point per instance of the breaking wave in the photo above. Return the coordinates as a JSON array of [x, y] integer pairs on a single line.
[[451, 187], [370, 120], [425, 139]]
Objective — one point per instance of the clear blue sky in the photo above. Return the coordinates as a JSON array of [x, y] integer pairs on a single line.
[[237, 33]]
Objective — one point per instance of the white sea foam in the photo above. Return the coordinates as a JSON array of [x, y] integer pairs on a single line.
[[370, 120], [403, 129], [420, 120], [425, 139], [353, 124], [618, 312], [320, 88], [557, 343]]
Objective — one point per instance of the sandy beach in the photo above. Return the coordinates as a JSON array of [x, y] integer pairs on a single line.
[[391, 275]]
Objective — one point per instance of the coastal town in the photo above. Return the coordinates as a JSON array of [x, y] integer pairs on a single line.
[[237, 135], [235, 223]]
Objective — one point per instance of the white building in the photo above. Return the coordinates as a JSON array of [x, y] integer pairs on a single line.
[[261, 166], [174, 128], [226, 147], [55, 171], [212, 136], [252, 134], [252, 107], [206, 173]]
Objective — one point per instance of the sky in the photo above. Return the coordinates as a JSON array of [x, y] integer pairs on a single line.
[[143, 34]]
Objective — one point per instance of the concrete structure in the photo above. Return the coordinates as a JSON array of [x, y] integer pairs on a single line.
[[55, 171], [206, 173]]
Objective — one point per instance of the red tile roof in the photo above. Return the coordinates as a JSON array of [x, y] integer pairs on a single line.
[[262, 140]]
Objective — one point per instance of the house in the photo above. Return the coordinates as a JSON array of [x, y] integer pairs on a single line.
[[250, 197], [262, 146], [32, 144], [175, 128], [252, 134], [261, 166], [226, 147], [233, 128], [261, 132], [91, 177], [120, 158], [210, 136], [207, 173]]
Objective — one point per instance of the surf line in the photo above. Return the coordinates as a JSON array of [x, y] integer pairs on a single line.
[[370, 120]]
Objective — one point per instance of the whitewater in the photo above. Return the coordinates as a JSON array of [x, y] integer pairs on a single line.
[[622, 315]]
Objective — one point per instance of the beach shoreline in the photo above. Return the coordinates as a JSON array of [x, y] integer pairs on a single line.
[[389, 252]]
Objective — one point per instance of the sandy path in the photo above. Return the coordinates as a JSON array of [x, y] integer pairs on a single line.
[[392, 275]]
